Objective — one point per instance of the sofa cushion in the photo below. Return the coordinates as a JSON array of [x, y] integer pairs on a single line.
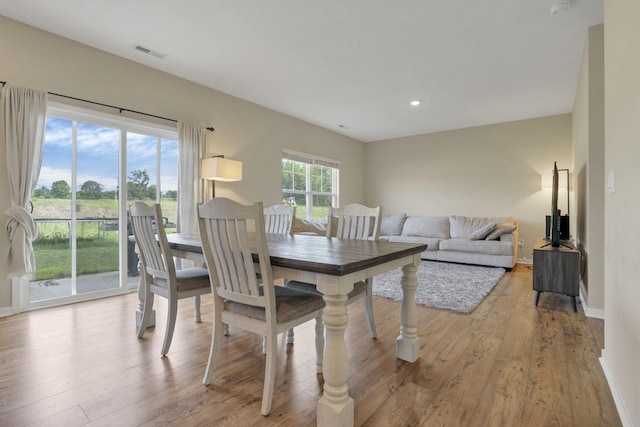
[[391, 225], [309, 226], [427, 226], [432, 243], [501, 229], [487, 247], [462, 227], [482, 232]]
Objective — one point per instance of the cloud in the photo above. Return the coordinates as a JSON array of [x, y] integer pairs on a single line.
[[108, 182], [58, 133], [49, 175], [97, 139]]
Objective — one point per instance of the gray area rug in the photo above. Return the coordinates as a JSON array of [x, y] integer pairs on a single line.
[[448, 286]]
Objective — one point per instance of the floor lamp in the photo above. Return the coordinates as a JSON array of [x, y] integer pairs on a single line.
[[217, 168]]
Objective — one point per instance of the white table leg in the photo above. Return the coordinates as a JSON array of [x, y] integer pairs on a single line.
[[408, 343], [335, 407]]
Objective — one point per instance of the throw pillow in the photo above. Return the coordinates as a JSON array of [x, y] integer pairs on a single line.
[[500, 230], [482, 232], [427, 226], [309, 226], [391, 225], [462, 227]]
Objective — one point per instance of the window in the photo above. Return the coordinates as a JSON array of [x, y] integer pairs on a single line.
[[309, 183]]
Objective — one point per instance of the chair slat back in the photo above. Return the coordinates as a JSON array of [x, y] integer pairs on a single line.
[[354, 221], [279, 219], [228, 245], [148, 229]]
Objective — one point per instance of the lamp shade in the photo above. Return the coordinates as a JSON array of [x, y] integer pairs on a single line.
[[546, 181], [221, 169]]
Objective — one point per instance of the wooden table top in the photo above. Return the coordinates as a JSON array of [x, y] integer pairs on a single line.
[[319, 254]]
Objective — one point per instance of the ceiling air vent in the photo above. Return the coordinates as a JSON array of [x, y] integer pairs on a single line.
[[148, 51]]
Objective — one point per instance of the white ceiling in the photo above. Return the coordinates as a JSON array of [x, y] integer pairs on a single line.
[[351, 66]]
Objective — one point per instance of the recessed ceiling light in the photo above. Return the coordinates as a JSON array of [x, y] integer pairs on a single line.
[[415, 103]]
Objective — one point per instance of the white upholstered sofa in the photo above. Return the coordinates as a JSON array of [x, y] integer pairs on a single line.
[[489, 241], [467, 240]]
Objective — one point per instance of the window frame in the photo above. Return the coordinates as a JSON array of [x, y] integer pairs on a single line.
[[311, 160]]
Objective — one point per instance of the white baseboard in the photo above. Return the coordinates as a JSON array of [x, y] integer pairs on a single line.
[[525, 261], [6, 311], [623, 411], [597, 313]]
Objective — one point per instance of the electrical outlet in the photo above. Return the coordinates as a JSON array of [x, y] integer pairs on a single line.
[[521, 242]]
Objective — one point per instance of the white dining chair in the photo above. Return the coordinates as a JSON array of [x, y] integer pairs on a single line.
[[242, 297], [354, 221], [159, 275], [279, 219]]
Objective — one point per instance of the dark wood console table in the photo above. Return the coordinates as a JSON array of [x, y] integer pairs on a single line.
[[556, 270]]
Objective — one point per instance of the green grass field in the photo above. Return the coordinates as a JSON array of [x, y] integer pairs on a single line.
[[318, 212], [53, 261], [97, 248], [100, 208]]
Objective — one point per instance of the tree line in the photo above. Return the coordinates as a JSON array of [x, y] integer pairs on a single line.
[[137, 188]]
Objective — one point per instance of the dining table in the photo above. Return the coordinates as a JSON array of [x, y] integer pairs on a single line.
[[334, 265]]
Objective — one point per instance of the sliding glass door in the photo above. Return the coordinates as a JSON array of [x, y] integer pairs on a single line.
[[85, 248]]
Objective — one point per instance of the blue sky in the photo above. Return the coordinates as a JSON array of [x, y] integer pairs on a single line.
[[98, 154]]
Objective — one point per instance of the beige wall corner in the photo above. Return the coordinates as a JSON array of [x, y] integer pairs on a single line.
[[588, 177], [492, 170]]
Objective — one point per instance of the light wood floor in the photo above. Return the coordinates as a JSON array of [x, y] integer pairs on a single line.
[[506, 364]]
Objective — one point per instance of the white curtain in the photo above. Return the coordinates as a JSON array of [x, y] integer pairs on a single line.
[[192, 143], [24, 113]]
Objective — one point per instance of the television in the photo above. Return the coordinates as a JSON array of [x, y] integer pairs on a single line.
[[554, 233], [564, 227], [557, 225]]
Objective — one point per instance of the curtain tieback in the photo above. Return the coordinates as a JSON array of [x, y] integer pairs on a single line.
[[20, 217]]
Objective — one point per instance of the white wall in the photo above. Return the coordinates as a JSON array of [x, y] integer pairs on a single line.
[[244, 131], [622, 226], [490, 170], [588, 176]]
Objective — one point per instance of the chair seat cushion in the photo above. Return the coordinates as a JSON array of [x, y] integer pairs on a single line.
[[359, 288], [290, 304], [192, 278]]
